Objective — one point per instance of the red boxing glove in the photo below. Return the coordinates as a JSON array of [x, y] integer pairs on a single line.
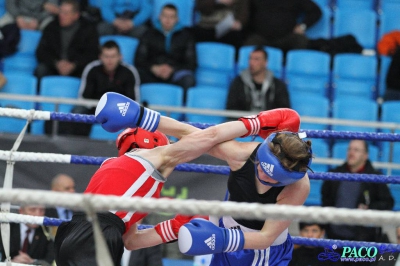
[[168, 230], [267, 122]]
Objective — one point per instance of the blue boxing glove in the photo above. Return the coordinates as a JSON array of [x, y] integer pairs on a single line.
[[115, 111], [201, 237]]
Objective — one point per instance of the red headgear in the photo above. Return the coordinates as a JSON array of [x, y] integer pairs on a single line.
[[132, 138]]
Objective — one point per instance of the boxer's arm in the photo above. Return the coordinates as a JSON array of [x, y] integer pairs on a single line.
[[195, 236], [294, 194], [172, 127], [137, 239], [199, 142]]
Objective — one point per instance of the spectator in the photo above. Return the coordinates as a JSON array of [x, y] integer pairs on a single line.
[[10, 36], [256, 88], [28, 14], [392, 92], [221, 21], [305, 255], [107, 74], [124, 17], [29, 243], [166, 52], [61, 183], [68, 44], [356, 195], [281, 24]]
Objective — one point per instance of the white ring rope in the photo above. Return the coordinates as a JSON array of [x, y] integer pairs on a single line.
[[35, 157], [216, 208], [25, 114], [20, 218]]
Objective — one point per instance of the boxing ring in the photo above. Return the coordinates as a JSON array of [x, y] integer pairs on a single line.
[[90, 204]]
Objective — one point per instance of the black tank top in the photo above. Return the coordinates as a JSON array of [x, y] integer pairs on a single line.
[[242, 188]]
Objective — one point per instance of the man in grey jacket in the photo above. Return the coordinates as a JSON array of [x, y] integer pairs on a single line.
[[256, 88]]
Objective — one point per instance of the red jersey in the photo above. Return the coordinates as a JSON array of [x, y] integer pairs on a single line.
[[127, 176]]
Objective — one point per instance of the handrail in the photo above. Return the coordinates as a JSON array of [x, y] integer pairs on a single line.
[[225, 113]]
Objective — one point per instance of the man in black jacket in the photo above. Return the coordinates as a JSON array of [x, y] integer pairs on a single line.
[[166, 52], [356, 195], [68, 43], [29, 243], [256, 88], [281, 24]]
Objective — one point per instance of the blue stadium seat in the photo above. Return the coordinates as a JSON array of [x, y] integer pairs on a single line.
[[127, 46], [339, 151], [298, 84], [215, 64], [59, 87], [305, 68], [2, 7], [17, 83], [395, 157], [203, 97], [385, 64], [185, 10], [355, 4], [390, 21], [355, 66], [360, 23], [24, 63], [208, 77], [162, 94], [308, 62], [320, 149], [29, 41], [390, 113], [314, 198], [343, 88], [313, 106], [216, 56], [275, 59], [321, 29], [97, 132], [390, 6], [353, 108]]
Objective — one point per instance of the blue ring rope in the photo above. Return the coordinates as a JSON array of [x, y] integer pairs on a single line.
[[323, 134], [224, 170]]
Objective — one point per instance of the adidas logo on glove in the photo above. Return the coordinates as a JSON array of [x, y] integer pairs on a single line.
[[123, 107], [269, 168], [211, 242]]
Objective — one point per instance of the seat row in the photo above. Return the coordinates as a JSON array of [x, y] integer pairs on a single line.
[[209, 97], [307, 70]]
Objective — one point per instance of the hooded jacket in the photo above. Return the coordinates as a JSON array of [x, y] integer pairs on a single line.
[[244, 96]]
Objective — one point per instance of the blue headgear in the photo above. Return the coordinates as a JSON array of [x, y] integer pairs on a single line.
[[272, 166]]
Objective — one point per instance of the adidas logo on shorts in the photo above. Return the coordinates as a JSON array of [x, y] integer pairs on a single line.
[[211, 242], [123, 107], [268, 168]]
